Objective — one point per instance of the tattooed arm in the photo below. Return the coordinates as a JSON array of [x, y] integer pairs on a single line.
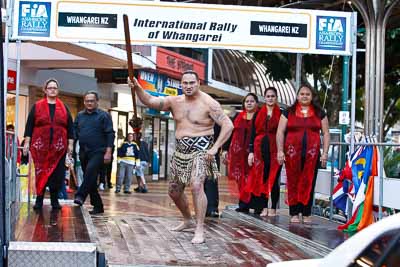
[[218, 115], [159, 103]]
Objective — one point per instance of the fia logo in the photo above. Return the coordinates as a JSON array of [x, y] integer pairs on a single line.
[[331, 33], [34, 10], [330, 25], [34, 18]]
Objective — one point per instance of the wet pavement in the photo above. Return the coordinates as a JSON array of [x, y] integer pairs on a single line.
[[134, 230], [65, 225]]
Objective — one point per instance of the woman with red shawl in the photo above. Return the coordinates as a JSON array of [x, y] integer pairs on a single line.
[[265, 169], [49, 136], [238, 168], [301, 150]]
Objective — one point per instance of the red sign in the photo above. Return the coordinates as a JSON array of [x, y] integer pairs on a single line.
[[174, 64], [12, 80]]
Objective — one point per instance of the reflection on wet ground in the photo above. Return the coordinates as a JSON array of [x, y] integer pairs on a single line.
[[65, 225]]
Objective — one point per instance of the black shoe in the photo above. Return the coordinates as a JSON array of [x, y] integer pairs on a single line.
[[244, 210], [96, 211], [257, 212], [110, 186], [213, 214], [137, 189], [54, 201], [56, 205], [117, 190], [78, 201], [38, 203], [144, 189], [127, 192]]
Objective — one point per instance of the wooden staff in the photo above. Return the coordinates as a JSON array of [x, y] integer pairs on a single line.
[[135, 122]]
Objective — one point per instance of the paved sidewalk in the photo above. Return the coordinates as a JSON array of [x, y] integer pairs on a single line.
[[135, 231]]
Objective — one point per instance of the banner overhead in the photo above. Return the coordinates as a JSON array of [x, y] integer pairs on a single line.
[[185, 25]]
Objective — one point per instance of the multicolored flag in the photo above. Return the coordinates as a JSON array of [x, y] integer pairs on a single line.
[[364, 168]]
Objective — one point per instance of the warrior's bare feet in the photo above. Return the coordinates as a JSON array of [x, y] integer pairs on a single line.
[[183, 225], [198, 237]]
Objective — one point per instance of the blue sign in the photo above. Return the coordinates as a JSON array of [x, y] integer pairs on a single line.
[[331, 33], [34, 18]]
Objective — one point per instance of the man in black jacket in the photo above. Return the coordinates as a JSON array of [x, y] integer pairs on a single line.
[[94, 130]]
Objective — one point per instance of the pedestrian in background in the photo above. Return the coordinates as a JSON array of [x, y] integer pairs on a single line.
[[211, 185], [264, 173], [94, 131], [105, 174], [237, 156], [300, 150], [49, 138], [144, 156], [128, 160]]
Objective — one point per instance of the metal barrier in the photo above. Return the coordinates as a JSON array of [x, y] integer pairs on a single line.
[[13, 182], [380, 176]]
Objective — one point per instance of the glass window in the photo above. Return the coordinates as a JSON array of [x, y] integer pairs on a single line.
[[374, 252]]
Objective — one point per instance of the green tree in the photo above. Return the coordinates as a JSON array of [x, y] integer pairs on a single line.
[[322, 68]]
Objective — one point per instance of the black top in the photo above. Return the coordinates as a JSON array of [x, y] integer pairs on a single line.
[[30, 123], [144, 153], [253, 128], [94, 130]]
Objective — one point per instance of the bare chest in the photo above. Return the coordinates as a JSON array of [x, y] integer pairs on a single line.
[[195, 113]]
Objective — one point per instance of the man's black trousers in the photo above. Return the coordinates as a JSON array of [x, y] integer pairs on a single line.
[[91, 164]]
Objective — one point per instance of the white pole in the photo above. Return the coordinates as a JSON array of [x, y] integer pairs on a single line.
[[15, 148], [353, 81]]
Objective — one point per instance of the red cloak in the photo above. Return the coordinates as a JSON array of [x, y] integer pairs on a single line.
[[46, 155], [265, 167], [238, 168], [301, 131]]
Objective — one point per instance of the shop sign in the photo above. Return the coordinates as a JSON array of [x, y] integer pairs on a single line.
[[187, 25], [158, 84], [148, 80], [174, 64], [11, 80], [171, 86]]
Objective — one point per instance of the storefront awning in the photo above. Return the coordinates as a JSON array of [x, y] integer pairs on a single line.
[[238, 70], [56, 55]]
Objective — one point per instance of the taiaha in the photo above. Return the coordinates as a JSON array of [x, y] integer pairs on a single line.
[[135, 122]]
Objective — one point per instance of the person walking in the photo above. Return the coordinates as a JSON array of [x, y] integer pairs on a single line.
[[237, 156], [94, 131], [128, 159], [195, 113], [300, 150], [49, 137], [264, 172], [144, 156]]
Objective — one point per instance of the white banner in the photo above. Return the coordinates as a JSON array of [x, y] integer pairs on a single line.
[[185, 25]]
